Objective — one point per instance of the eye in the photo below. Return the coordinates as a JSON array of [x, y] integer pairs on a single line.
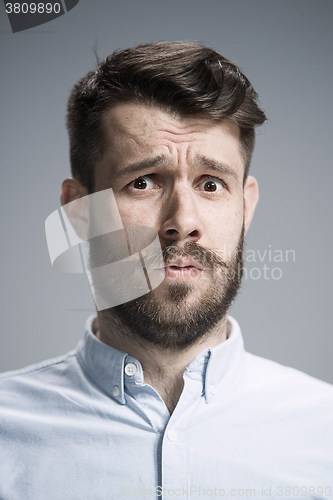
[[212, 185], [143, 183]]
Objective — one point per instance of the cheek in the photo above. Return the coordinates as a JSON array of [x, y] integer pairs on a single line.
[[138, 215], [225, 233]]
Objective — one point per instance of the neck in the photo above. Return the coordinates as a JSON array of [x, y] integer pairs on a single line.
[[163, 368]]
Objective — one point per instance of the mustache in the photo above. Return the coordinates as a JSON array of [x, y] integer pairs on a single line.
[[202, 255], [207, 258], [102, 251]]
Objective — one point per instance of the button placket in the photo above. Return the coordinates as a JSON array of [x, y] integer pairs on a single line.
[[212, 389], [174, 454], [172, 435]]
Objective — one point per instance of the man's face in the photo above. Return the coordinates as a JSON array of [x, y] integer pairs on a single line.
[[184, 178]]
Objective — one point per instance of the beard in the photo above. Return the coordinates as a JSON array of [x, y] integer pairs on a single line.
[[176, 315]]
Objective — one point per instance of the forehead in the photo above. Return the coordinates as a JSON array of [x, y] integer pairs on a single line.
[[135, 131]]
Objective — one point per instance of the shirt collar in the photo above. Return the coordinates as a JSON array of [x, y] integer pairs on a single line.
[[224, 362], [215, 366], [104, 364]]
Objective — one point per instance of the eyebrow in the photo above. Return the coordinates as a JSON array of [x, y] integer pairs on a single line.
[[146, 164], [216, 166], [199, 161]]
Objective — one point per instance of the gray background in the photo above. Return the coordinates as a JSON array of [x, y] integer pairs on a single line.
[[285, 48]]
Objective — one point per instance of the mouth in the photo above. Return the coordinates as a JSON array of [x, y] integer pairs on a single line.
[[183, 269]]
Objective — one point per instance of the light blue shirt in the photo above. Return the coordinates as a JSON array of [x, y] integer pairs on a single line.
[[86, 426]]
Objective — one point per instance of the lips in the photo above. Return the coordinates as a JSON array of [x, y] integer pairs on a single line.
[[183, 268], [183, 263]]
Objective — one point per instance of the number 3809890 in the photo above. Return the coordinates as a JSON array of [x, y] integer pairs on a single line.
[[32, 8]]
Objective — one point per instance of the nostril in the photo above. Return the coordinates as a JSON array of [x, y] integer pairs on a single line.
[[172, 231], [194, 233]]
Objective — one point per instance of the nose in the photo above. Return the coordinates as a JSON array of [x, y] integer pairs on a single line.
[[182, 219]]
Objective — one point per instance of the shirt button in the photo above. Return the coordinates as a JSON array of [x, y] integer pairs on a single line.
[[130, 369], [116, 390], [172, 435], [212, 389]]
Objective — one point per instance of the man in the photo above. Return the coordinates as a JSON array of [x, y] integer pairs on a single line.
[[160, 399]]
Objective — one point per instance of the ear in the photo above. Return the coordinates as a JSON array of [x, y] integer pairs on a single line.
[[76, 213], [71, 189], [251, 197]]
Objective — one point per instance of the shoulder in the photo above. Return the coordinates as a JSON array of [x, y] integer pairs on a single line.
[[275, 370], [284, 383], [31, 370], [265, 374], [36, 381]]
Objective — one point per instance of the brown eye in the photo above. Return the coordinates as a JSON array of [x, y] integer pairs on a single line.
[[140, 183], [210, 186]]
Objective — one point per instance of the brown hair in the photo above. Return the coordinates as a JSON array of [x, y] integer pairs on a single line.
[[179, 77]]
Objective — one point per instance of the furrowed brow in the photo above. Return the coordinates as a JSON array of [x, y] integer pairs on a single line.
[[221, 168], [143, 166]]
